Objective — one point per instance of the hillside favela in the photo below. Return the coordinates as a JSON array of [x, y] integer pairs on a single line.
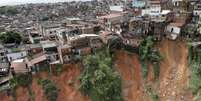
[[100, 50]]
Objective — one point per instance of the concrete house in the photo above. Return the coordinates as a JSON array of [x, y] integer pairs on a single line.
[[85, 43], [3, 57], [154, 8], [197, 9], [37, 61], [50, 48], [138, 3], [111, 22], [16, 55], [65, 53], [173, 30], [157, 28], [4, 69], [180, 5]]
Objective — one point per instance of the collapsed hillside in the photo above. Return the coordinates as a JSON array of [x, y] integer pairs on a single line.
[[172, 84]]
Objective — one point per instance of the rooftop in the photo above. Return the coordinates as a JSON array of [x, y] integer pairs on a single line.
[[112, 15]]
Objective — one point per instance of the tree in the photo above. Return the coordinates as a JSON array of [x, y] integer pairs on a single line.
[[98, 80], [10, 37], [8, 10]]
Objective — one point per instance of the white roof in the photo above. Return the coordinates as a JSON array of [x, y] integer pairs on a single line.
[[164, 12], [18, 61], [116, 8], [88, 35]]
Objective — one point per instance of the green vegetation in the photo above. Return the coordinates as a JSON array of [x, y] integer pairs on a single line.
[[10, 37], [8, 10], [148, 53], [23, 80], [50, 89], [195, 82], [195, 67], [31, 94], [98, 80], [59, 68]]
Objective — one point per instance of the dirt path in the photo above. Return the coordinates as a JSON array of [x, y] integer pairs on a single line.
[[130, 70], [174, 71]]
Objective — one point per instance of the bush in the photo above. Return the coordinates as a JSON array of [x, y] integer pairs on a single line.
[[98, 80], [21, 80], [50, 89], [195, 82], [148, 53], [59, 68]]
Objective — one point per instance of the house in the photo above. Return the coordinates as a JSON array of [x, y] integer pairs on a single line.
[[16, 55], [50, 48], [182, 17], [132, 38], [173, 30], [19, 66], [180, 5], [35, 37], [48, 29], [2, 54], [106, 35], [34, 49], [85, 43], [4, 69], [166, 4], [138, 3], [197, 9], [157, 28], [37, 61], [139, 26], [154, 8], [116, 9], [64, 35], [65, 53], [112, 21]]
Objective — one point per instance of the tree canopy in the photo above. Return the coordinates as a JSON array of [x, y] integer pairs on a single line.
[[9, 10], [98, 80], [10, 37]]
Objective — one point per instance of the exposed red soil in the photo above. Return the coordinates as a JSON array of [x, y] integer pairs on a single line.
[[128, 65], [37, 90], [174, 74], [68, 83], [22, 94], [5, 97]]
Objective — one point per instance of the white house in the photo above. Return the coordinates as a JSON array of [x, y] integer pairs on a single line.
[[16, 55], [173, 30]]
